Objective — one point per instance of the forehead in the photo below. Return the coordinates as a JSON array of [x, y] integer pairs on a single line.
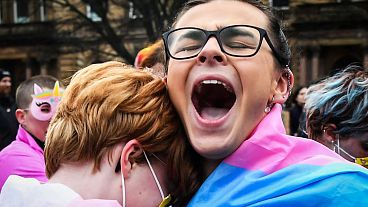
[[221, 13], [6, 78], [303, 90]]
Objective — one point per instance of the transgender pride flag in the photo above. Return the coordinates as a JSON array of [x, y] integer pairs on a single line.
[[273, 169]]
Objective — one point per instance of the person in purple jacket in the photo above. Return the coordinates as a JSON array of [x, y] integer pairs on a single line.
[[37, 99]]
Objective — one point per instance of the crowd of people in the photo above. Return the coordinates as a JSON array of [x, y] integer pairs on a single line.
[[8, 122], [197, 124]]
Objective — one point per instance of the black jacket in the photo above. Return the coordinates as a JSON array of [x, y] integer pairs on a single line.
[[8, 121]]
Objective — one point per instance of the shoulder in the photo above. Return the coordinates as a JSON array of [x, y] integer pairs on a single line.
[[29, 192], [16, 159], [19, 150], [340, 185], [18, 183], [16, 190]]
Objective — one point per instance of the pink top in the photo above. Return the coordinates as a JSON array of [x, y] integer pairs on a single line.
[[22, 157]]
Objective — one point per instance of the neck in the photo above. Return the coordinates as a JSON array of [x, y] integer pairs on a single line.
[[210, 166], [301, 105], [80, 178], [39, 142]]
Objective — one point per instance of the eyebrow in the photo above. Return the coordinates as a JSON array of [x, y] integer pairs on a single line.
[[193, 34], [239, 32]]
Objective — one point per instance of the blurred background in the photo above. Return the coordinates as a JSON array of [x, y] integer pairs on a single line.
[[58, 37]]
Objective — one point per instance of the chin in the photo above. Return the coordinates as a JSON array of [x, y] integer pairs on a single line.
[[212, 150]]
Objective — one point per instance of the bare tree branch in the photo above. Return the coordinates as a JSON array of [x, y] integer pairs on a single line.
[[114, 27]]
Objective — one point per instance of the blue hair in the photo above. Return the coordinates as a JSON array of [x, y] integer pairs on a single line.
[[342, 100]]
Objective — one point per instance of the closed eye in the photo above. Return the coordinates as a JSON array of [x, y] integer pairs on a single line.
[[189, 48], [239, 45]]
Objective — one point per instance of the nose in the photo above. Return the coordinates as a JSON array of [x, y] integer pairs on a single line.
[[211, 53]]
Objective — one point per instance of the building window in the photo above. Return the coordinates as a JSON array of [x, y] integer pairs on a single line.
[[133, 13], [1, 12], [21, 12], [91, 14], [279, 4], [42, 10]]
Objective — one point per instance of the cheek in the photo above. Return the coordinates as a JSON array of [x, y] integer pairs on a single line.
[[45, 125], [177, 70], [176, 81], [352, 147], [257, 86], [256, 79]]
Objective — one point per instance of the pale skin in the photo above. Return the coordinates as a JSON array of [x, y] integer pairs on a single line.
[[351, 145], [254, 80], [5, 85], [300, 99], [141, 189]]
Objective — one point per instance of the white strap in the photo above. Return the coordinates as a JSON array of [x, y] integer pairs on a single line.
[[154, 176]]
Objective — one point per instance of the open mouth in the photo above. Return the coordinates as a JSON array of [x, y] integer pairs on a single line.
[[213, 99]]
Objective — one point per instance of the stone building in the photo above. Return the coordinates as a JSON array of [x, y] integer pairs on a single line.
[[324, 35], [32, 41]]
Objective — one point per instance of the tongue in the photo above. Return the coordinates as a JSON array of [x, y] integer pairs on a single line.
[[212, 113]]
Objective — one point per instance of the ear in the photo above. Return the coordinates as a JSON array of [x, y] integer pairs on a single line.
[[164, 79], [284, 84], [327, 133], [131, 150], [20, 114]]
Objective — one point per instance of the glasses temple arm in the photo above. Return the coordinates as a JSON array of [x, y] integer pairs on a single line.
[[283, 61]]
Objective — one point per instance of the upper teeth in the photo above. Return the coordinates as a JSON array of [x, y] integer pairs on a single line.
[[216, 82], [211, 82]]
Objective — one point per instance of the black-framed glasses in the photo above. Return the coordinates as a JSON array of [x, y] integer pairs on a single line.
[[235, 40]]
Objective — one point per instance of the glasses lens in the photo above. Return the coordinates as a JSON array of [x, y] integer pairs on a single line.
[[185, 42], [240, 40]]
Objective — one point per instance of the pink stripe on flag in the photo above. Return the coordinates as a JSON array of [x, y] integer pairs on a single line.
[[269, 149]]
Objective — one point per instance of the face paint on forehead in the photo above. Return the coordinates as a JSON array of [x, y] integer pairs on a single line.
[[45, 102]]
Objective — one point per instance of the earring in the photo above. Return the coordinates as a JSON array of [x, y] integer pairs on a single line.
[[267, 109], [269, 106]]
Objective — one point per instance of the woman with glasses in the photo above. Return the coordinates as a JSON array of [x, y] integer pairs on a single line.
[[337, 113], [112, 142], [227, 75]]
